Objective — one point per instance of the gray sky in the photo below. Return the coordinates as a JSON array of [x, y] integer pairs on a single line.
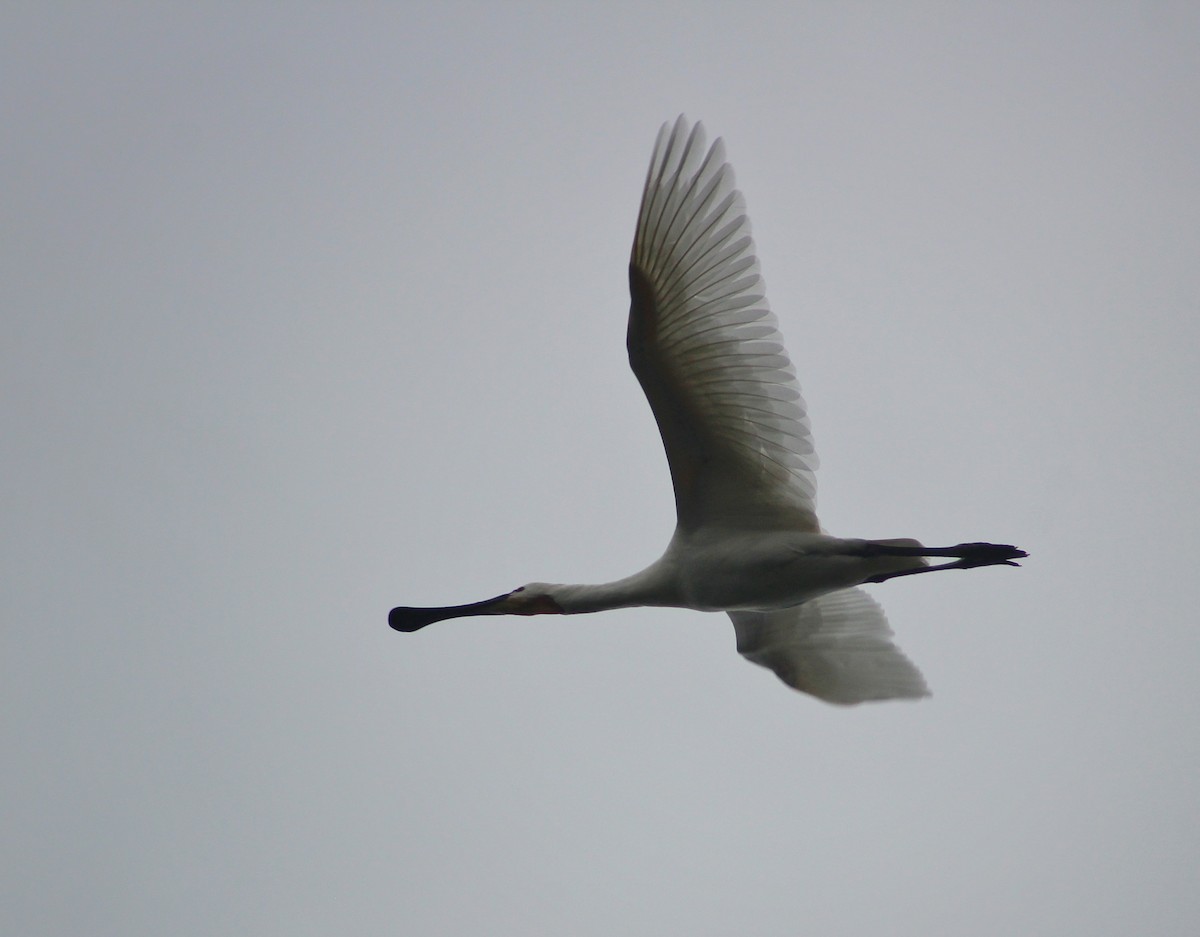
[[314, 310]]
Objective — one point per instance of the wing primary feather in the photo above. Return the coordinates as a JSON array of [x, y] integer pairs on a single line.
[[706, 347]]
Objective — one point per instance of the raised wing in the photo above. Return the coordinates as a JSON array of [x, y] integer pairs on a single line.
[[836, 647], [707, 350]]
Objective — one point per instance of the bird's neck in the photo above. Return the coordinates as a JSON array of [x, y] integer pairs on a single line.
[[652, 586]]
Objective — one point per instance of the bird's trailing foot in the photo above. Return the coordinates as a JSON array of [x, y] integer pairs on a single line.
[[984, 554]]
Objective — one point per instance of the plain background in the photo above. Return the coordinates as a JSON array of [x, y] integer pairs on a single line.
[[315, 309]]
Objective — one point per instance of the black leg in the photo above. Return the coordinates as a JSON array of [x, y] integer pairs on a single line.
[[967, 556], [964, 563]]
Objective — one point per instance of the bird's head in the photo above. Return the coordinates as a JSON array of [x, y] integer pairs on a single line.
[[537, 598], [533, 598]]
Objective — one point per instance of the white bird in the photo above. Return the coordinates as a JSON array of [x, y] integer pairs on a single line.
[[708, 353]]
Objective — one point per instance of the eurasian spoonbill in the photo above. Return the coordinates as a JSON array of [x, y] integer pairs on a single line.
[[707, 351]]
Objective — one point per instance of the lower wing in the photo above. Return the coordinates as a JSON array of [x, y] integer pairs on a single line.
[[836, 647]]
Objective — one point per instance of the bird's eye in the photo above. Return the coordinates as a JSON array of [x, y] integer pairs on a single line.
[[519, 589]]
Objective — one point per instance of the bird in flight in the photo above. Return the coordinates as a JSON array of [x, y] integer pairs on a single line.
[[707, 351]]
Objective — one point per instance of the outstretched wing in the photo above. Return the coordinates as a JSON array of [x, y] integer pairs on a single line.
[[707, 350], [836, 647]]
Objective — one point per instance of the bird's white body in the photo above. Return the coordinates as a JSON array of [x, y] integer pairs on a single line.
[[707, 351], [735, 570], [772, 570]]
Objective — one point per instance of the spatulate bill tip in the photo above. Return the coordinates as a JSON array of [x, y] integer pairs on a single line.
[[409, 619]]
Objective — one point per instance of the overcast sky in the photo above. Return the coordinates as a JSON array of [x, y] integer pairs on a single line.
[[312, 310]]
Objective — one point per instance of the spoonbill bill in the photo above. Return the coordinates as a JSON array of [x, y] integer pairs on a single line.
[[707, 351]]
